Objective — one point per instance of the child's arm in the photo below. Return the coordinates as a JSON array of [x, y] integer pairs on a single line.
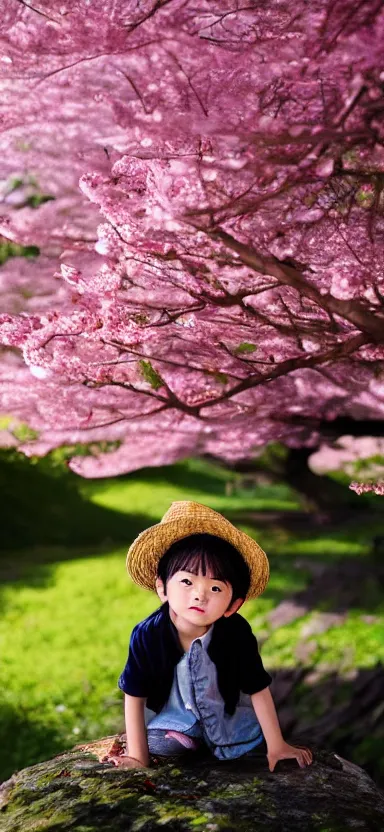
[[278, 749], [137, 745]]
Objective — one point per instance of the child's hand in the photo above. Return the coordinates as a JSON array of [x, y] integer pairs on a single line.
[[124, 761], [284, 751]]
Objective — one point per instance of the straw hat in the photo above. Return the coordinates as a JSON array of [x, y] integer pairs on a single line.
[[182, 519]]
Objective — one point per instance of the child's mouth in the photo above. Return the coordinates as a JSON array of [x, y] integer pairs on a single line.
[[198, 609]]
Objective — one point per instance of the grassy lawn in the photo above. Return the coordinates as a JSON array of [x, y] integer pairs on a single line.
[[66, 611]]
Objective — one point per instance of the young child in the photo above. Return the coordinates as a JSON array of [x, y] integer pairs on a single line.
[[194, 673]]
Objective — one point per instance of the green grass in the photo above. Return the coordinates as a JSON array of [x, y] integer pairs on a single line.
[[62, 645], [67, 610], [352, 644]]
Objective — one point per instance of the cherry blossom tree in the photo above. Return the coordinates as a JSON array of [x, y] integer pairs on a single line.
[[204, 185]]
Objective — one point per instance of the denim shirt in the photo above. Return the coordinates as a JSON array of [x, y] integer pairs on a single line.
[[196, 707], [155, 651]]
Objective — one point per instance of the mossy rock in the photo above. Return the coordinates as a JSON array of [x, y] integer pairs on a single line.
[[75, 791]]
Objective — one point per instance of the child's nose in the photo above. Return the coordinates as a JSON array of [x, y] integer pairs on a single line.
[[200, 594]]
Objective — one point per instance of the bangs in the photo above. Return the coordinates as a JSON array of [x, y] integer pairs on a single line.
[[206, 563]]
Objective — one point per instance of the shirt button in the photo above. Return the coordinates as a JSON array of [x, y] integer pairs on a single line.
[[188, 707]]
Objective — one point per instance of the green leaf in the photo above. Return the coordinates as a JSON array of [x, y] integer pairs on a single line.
[[9, 249], [5, 251], [14, 183], [245, 346], [30, 251], [35, 200], [222, 378], [151, 375]]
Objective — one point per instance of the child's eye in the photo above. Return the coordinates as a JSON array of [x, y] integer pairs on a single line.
[[216, 587], [187, 580]]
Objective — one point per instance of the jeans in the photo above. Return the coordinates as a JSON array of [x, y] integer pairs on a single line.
[[162, 746]]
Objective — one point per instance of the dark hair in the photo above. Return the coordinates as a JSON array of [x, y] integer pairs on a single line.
[[210, 554]]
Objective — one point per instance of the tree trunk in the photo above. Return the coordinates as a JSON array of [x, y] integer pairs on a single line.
[[320, 492]]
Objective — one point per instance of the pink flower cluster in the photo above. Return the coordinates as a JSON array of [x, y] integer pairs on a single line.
[[365, 487], [201, 186]]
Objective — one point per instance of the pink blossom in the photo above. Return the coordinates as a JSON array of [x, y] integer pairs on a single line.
[[365, 487], [204, 180]]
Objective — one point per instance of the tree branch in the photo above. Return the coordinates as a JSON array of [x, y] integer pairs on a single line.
[[351, 310]]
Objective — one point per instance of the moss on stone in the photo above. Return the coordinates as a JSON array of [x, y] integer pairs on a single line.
[[76, 793]]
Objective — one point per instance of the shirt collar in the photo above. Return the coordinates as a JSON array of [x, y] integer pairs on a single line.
[[205, 639]]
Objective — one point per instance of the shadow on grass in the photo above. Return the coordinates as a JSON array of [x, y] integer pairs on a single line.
[[30, 564], [25, 741], [44, 506]]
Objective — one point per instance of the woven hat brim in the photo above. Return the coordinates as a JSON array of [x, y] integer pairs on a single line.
[[145, 552]]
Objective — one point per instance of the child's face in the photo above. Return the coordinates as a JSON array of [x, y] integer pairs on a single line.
[[199, 599]]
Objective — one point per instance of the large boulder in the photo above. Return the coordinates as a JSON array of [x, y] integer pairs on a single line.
[[76, 791]]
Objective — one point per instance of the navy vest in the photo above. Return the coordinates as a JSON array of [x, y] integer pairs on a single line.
[[155, 650]]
